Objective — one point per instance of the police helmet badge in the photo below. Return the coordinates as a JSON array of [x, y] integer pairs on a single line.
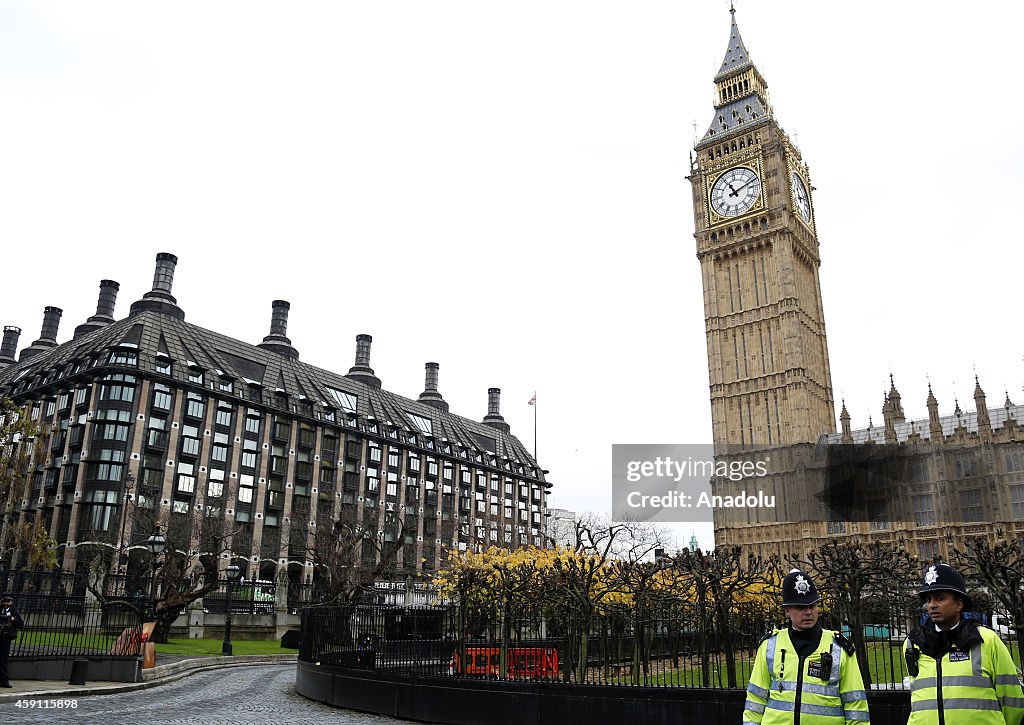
[[931, 576], [802, 585]]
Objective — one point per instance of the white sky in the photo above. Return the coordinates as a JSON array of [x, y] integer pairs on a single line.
[[500, 187]]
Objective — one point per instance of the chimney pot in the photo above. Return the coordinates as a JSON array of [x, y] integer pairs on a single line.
[[362, 371], [10, 343]]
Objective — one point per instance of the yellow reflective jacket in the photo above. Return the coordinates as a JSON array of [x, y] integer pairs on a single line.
[[786, 690], [974, 683]]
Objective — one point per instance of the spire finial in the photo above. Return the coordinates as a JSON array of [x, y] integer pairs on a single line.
[[732, 8]]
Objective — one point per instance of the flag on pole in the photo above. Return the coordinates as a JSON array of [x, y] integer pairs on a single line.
[[533, 400]]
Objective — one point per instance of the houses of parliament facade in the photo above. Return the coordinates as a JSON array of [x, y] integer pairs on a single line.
[[928, 485]]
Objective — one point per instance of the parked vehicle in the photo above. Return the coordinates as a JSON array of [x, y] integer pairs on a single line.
[[524, 663], [1002, 624]]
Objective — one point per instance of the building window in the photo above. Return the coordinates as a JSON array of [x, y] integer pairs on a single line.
[[878, 515], [118, 388], [195, 407], [111, 425], [186, 478], [966, 466], [246, 484], [347, 401], [99, 512], [189, 440], [219, 451], [215, 486], [1017, 501], [109, 466], [971, 507], [1014, 461], [924, 510], [123, 357], [156, 433], [163, 365], [424, 424], [223, 417], [195, 375], [162, 398]]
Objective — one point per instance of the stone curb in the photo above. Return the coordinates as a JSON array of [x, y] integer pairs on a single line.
[[153, 677]]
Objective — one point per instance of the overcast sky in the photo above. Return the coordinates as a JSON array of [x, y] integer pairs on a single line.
[[500, 187]]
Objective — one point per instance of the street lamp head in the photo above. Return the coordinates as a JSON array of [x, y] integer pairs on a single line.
[[156, 542], [232, 572]]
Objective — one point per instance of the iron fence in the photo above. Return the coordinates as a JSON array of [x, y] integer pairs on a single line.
[[664, 646], [246, 597], [53, 629]]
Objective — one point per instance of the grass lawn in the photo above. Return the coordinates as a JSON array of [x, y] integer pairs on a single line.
[[204, 647]]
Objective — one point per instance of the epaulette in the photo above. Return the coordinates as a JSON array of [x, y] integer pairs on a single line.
[[843, 642], [767, 636]]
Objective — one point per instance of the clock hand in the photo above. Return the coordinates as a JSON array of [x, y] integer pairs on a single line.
[[735, 192]]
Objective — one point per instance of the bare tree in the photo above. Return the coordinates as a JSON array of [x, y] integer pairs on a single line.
[[17, 443], [998, 568], [858, 579], [350, 554], [718, 579], [185, 571]]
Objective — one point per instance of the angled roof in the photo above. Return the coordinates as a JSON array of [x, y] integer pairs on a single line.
[[154, 333], [740, 114], [736, 55], [997, 419]]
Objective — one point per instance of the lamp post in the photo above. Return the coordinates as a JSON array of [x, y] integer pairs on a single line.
[[232, 574], [155, 543], [126, 491]]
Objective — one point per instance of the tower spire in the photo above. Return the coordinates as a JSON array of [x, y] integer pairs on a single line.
[[741, 97]]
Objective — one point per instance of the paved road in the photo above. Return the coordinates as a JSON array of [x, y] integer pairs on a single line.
[[249, 695]]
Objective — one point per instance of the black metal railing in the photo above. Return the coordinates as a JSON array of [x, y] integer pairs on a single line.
[[247, 597], [54, 630], [662, 646]]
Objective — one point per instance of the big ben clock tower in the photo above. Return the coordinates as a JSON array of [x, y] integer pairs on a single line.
[[758, 249]]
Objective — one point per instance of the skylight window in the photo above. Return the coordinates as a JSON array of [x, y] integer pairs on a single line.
[[424, 424], [347, 401]]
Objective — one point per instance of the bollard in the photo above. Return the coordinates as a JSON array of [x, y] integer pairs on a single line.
[[79, 669]]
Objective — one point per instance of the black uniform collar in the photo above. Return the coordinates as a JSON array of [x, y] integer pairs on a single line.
[[805, 641], [935, 644]]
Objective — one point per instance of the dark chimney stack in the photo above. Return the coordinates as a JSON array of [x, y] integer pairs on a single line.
[[430, 396], [48, 334], [277, 341], [493, 417], [104, 309], [163, 276], [107, 300], [362, 371], [10, 344], [159, 299]]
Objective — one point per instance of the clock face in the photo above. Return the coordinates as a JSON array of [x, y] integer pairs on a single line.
[[735, 191], [801, 199]]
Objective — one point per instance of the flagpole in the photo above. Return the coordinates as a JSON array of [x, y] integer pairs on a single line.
[[533, 402], [535, 426]]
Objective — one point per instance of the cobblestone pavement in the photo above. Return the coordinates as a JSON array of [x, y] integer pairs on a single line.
[[249, 695]]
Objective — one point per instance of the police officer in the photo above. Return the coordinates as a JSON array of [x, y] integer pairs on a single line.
[[804, 675], [10, 623], [961, 673]]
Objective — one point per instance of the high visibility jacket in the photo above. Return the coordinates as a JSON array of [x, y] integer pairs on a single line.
[[975, 683], [785, 689]]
